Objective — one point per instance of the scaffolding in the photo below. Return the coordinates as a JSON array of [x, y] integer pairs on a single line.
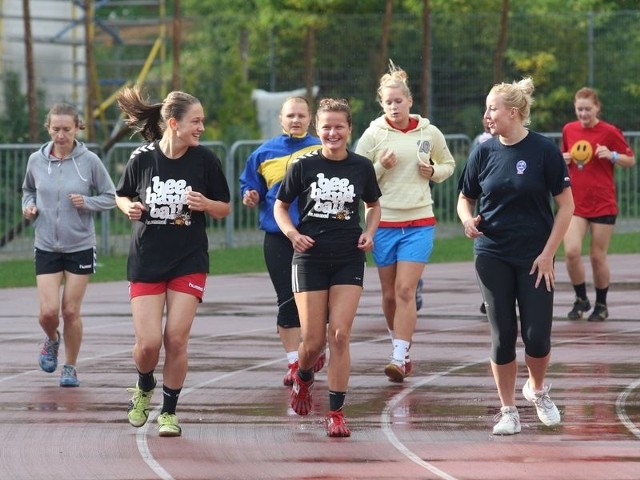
[[85, 51]]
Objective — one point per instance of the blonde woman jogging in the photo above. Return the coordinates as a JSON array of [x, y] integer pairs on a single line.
[[516, 236], [408, 152]]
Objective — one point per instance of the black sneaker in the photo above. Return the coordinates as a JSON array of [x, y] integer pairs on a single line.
[[600, 313], [580, 306]]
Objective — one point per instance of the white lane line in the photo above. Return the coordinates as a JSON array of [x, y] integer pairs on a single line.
[[141, 434], [386, 422], [621, 410], [396, 399]]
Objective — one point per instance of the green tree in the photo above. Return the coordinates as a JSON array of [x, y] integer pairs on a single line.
[[14, 122]]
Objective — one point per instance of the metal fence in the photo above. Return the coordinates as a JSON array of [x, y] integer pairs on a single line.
[[240, 228]]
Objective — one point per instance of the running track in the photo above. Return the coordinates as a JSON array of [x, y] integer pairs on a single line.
[[234, 409]]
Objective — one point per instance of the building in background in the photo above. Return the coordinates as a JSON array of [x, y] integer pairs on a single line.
[[57, 31], [124, 41]]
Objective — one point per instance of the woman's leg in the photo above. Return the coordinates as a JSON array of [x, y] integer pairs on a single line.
[[49, 299], [573, 249], [313, 310], [75, 287], [405, 314], [536, 315], [181, 310], [148, 312], [600, 238], [278, 253], [387, 276], [497, 281], [344, 300]]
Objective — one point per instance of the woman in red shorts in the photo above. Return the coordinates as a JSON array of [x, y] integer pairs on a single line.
[[168, 188]]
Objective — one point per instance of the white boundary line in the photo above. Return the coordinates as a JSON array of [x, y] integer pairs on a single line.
[[621, 410]]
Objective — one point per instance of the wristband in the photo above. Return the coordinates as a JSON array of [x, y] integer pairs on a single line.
[[614, 157]]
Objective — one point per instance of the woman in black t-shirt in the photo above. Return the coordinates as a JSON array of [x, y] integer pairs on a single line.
[[168, 187], [329, 258], [516, 236]]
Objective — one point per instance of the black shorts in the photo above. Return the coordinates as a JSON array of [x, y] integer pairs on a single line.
[[313, 275], [604, 219], [80, 263]]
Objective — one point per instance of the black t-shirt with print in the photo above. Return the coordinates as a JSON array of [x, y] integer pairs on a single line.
[[329, 194], [170, 240], [515, 184]]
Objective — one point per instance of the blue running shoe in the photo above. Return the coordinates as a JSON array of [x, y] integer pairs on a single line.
[[49, 354], [69, 377], [419, 294]]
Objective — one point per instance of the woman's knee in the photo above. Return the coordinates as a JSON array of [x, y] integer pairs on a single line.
[[404, 293], [538, 348], [572, 252], [501, 355], [339, 338], [70, 313], [147, 347], [48, 315], [175, 344]]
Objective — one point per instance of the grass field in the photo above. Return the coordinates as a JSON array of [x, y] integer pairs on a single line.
[[20, 273]]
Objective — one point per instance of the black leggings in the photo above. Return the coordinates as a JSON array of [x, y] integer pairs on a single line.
[[278, 253], [503, 285]]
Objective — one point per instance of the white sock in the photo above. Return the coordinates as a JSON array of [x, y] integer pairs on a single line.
[[390, 334], [400, 348], [292, 356]]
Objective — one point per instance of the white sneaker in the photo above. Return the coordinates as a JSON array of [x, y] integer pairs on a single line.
[[547, 411], [508, 421]]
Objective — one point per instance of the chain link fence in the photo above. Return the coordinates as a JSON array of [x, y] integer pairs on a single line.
[[240, 228]]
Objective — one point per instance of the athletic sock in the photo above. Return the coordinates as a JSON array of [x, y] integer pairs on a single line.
[[581, 290], [601, 295], [400, 349], [146, 381], [292, 357], [336, 400], [170, 399]]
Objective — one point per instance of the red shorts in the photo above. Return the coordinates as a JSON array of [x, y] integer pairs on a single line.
[[193, 284]]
